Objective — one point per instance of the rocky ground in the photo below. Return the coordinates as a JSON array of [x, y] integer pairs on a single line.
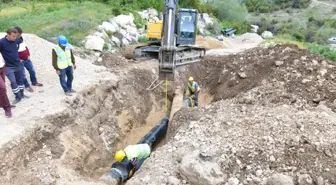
[[273, 122], [267, 116]]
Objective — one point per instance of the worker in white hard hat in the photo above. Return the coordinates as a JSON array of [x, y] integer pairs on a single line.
[[194, 90], [136, 154]]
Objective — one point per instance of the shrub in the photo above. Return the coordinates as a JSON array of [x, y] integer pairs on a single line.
[[230, 10], [214, 28], [109, 33], [274, 21], [324, 51], [138, 21], [310, 36], [105, 47], [298, 36]]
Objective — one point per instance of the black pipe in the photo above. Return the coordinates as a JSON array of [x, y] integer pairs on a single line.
[[124, 170]]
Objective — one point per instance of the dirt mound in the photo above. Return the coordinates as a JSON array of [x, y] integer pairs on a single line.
[[296, 75], [274, 114], [209, 42]]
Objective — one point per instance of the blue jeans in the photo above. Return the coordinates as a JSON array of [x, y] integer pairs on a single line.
[[66, 83], [196, 98], [14, 74], [29, 66], [139, 163]]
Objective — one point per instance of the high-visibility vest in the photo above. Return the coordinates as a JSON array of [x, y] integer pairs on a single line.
[[194, 87], [139, 151], [63, 57]]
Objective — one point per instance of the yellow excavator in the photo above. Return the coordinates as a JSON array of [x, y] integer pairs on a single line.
[[171, 41]]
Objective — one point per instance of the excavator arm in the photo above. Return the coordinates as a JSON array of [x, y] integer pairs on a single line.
[[167, 51]]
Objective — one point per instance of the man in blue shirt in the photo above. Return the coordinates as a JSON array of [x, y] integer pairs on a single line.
[[9, 50]]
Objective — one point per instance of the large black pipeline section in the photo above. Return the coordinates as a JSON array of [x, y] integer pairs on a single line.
[[122, 171]]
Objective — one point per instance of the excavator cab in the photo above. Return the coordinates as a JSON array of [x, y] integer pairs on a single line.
[[186, 27]]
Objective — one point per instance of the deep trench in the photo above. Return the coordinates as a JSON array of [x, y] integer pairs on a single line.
[[102, 119]]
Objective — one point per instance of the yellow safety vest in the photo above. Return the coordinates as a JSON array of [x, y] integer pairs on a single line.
[[138, 151], [192, 87], [63, 57]]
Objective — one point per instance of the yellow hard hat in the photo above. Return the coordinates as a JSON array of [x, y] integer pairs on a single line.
[[191, 79], [120, 155]]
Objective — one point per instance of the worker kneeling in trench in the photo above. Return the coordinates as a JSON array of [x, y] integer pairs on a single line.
[[136, 154]]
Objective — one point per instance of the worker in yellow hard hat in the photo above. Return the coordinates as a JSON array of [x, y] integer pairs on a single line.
[[136, 154], [194, 90]]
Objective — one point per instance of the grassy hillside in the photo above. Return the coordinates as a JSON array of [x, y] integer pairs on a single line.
[[48, 20]]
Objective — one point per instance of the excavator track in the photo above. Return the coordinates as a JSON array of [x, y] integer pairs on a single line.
[[129, 53]]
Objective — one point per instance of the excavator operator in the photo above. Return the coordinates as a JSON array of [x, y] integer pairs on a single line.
[[194, 90], [136, 154]]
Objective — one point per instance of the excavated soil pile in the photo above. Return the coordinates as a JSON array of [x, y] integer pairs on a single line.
[[298, 76], [272, 123], [209, 43]]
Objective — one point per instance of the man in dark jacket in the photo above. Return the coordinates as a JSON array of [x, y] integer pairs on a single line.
[[9, 51], [24, 55]]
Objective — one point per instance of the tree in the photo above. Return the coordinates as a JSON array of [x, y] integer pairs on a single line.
[[230, 10]]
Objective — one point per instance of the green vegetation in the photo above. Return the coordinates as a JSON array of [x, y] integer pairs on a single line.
[[323, 50], [47, 20], [266, 6]]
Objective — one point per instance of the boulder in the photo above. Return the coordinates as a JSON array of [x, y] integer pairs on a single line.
[[144, 14], [100, 28], [123, 33], [254, 28], [173, 181], [124, 20], [207, 20], [134, 40], [305, 179], [114, 23], [131, 31], [153, 12], [125, 42], [99, 34], [332, 39], [128, 37], [267, 35], [108, 27], [201, 172], [115, 42], [94, 43], [279, 179]]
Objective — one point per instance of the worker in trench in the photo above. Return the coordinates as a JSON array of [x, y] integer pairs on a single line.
[[194, 90], [135, 154]]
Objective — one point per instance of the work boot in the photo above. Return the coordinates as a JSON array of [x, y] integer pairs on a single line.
[[38, 84], [16, 101], [26, 97], [8, 112], [68, 94], [72, 91], [30, 89]]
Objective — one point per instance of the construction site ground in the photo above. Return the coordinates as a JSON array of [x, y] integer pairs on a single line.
[[263, 112]]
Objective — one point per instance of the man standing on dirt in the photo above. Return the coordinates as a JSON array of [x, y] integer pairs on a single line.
[[4, 101], [194, 90], [9, 51], [26, 62], [63, 62]]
